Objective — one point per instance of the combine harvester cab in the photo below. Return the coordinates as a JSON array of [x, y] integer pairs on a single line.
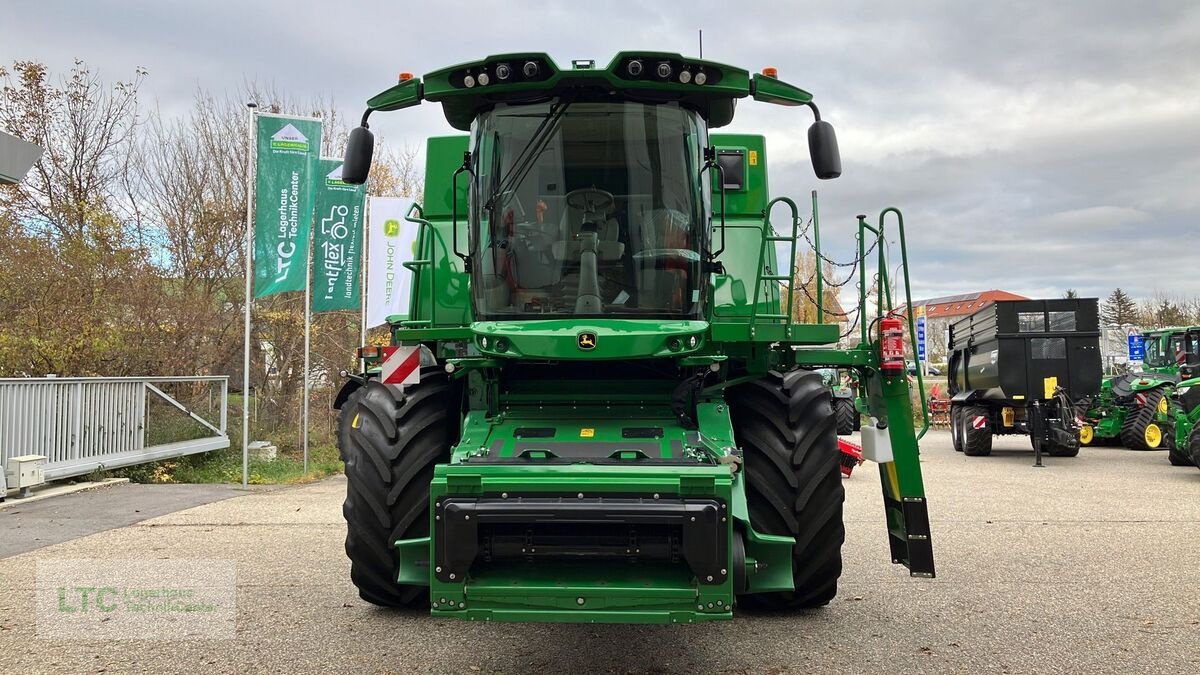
[[1024, 367], [599, 408]]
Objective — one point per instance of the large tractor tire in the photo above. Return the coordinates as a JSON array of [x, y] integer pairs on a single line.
[[787, 431], [344, 418], [975, 442], [1178, 457], [955, 427], [395, 438], [847, 416], [1140, 431], [1193, 448]]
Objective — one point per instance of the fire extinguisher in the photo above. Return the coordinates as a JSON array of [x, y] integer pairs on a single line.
[[891, 346]]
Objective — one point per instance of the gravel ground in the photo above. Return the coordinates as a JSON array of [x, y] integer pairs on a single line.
[[1087, 565]]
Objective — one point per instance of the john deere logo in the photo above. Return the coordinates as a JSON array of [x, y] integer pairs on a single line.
[[391, 227], [586, 341], [289, 138]]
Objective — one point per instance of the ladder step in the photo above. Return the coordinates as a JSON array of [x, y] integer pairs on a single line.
[[775, 277]]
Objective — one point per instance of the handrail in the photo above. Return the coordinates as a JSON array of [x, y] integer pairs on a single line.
[[884, 292], [424, 226]]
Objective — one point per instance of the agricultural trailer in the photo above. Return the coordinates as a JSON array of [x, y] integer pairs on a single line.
[[598, 408], [1023, 367]]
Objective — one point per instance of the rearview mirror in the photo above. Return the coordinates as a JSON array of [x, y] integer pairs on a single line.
[[823, 147], [360, 147]]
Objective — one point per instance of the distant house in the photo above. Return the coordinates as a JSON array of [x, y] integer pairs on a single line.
[[941, 312]]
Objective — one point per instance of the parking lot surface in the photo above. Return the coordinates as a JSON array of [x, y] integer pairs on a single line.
[[1091, 564]]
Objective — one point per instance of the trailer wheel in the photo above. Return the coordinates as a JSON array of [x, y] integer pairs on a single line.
[[395, 438], [847, 416], [1140, 431], [955, 430], [977, 442], [787, 431]]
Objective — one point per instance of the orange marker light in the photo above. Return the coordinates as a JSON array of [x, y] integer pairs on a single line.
[[771, 71], [405, 77]]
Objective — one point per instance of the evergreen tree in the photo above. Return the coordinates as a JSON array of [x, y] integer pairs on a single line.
[[1071, 294], [1119, 309]]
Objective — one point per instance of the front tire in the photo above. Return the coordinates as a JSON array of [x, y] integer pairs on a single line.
[[395, 437], [846, 415], [787, 431], [955, 429]]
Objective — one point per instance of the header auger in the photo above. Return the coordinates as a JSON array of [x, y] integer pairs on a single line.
[[616, 419]]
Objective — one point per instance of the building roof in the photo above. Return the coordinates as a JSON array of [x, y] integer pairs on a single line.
[[963, 304]]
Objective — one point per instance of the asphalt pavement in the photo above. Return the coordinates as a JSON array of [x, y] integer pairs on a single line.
[[1091, 564]]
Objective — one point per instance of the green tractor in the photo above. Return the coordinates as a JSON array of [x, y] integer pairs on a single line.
[[842, 386], [598, 408], [1183, 415], [1132, 408]]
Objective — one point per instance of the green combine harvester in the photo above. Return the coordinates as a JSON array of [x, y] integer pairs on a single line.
[[598, 408], [1134, 409]]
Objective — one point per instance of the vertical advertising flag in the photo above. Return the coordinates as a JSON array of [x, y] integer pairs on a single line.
[[392, 241], [288, 148], [337, 240]]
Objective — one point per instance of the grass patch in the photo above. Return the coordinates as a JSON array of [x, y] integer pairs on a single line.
[[225, 466]]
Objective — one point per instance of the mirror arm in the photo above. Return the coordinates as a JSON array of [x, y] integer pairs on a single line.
[[366, 114], [710, 162], [816, 113], [466, 166]]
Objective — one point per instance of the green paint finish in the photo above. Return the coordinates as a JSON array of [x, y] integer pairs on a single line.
[[772, 90], [589, 339], [403, 95]]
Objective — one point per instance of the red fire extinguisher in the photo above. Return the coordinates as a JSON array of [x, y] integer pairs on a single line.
[[891, 346]]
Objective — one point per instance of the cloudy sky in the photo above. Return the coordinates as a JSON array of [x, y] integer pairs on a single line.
[[1033, 146]]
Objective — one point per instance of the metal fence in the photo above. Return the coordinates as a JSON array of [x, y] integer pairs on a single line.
[[88, 423]]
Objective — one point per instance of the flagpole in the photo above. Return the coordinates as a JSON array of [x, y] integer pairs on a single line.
[[253, 140], [362, 276], [307, 331]]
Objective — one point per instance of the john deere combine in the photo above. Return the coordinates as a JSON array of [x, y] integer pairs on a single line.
[[604, 412]]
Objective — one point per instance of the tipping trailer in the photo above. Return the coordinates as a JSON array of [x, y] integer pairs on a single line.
[[1023, 367], [599, 408]]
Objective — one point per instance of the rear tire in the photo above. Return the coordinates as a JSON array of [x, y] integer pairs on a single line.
[[787, 431], [394, 438], [1136, 429], [846, 414], [976, 442], [1177, 458]]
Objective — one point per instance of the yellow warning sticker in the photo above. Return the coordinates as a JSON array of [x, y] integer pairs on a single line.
[[1050, 384], [587, 432], [753, 158]]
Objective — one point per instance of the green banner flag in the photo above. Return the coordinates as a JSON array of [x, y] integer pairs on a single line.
[[337, 241], [288, 148]]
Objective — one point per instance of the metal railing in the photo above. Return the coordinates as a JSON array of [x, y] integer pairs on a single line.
[[80, 424]]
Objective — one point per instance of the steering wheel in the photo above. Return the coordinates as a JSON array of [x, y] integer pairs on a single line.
[[590, 200]]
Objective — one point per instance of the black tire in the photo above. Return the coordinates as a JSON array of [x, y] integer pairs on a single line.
[[955, 429], [786, 429], [399, 436], [1177, 457], [1055, 450], [345, 418], [1193, 449], [1133, 430], [847, 415], [976, 442]]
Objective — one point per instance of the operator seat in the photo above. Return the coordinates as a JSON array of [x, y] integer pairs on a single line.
[[608, 247]]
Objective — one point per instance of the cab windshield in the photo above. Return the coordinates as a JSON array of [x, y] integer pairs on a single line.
[[588, 209]]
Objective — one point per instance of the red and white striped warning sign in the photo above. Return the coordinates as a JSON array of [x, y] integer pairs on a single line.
[[401, 365], [1141, 399], [979, 421]]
